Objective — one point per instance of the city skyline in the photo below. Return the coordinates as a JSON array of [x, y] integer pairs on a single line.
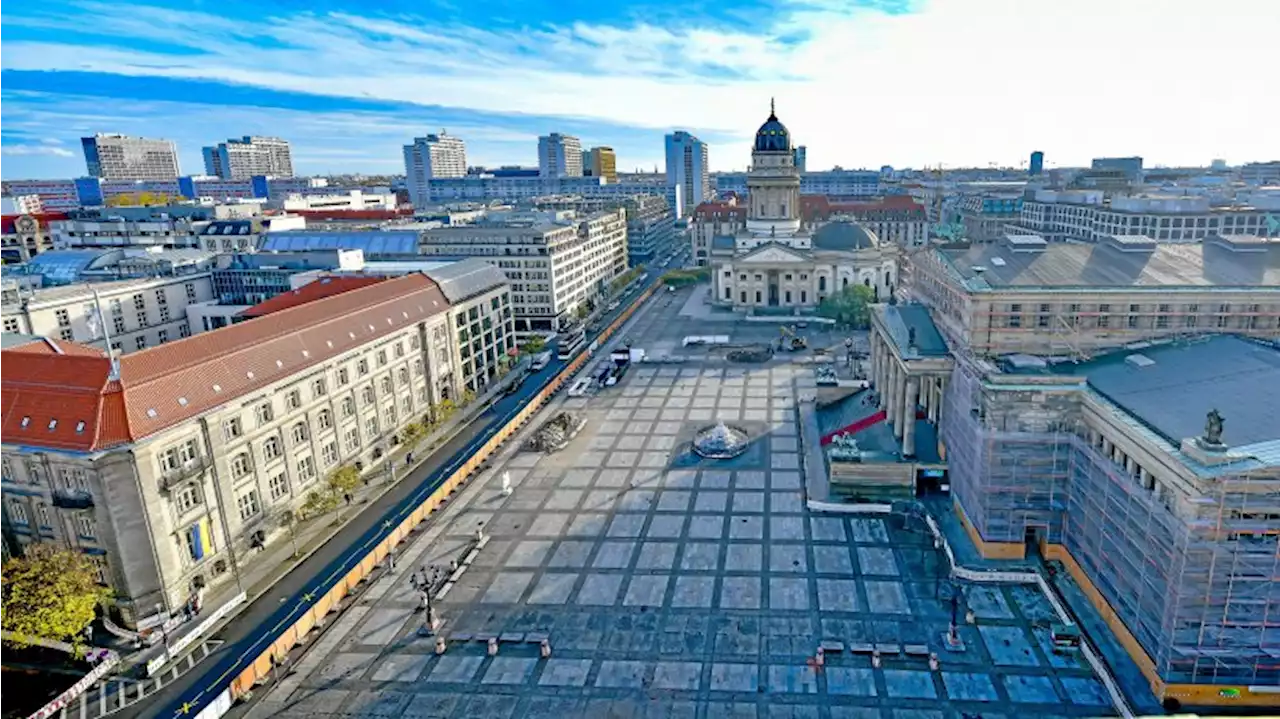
[[936, 96]]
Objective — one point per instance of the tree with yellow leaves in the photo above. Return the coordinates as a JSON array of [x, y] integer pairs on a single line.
[[50, 593]]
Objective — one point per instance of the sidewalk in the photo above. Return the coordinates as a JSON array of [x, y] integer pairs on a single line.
[[261, 569]]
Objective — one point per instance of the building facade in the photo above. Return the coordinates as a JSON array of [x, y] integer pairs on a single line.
[[836, 184], [651, 228], [1090, 216], [134, 314], [249, 156], [121, 157], [431, 157], [177, 498], [553, 261], [773, 258], [601, 162], [559, 156], [688, 173]]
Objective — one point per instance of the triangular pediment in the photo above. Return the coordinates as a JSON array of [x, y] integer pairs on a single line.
[[772, 253]]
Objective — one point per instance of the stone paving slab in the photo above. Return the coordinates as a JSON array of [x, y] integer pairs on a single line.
[[670, 587]]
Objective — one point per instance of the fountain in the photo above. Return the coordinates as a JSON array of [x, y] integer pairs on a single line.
[[720, 441], [556, 434]]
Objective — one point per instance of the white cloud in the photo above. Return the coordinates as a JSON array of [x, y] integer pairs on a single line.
[[960, 81], [44, 149]]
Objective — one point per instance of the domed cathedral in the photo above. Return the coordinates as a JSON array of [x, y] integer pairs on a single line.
[[771, 258]]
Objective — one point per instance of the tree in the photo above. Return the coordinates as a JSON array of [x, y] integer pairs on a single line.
[[344, 480], [319, 501], [582, 311], [533, 346], [468, 396], [412, 434], [850, 306], [50, 593], [288, 519]]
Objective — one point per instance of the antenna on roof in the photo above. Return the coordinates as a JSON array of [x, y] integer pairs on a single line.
[[113, 375]]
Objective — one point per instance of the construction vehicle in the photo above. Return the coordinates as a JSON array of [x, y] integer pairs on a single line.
[[792, 342]]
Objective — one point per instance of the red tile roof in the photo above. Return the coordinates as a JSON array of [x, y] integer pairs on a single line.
[[45, 345], [44, 218], [166, 385], [310, 292]]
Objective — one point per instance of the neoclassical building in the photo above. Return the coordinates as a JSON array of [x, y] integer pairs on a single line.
[[769, 256]]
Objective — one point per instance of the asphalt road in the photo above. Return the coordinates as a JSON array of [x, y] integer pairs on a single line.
[[251, 631]]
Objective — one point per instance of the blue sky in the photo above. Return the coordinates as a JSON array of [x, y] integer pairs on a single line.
[[861, 83]]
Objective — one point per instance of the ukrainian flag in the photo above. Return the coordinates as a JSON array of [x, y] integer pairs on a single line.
[[201, 539]]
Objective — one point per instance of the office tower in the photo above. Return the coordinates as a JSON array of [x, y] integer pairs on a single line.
[[121, 157], [688, 172], [249, 156], [1037, 163], [430, 157], [800, 158], [601, 162], [559, 156]]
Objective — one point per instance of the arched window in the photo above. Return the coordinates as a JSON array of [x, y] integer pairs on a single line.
[[887, 281], [822, 283], [784, 210], [866, 281]]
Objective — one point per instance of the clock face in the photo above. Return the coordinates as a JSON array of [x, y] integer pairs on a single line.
[[26, 224]]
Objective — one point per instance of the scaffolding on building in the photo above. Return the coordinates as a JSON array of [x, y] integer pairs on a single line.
[[1198, 587]]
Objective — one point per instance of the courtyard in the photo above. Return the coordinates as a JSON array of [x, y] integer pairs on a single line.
[[674, 586]]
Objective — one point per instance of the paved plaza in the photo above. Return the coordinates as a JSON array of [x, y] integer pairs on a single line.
[[675, 587]]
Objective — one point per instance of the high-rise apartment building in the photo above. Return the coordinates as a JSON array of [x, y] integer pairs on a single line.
[[1037, 163], [688, 173], [433, 156], [801, 159], [249, 156], [600, 162], [1130, 166], [559, 156], [121, 157]]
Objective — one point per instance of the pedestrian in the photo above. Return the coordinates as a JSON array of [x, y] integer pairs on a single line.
[[408, 459], [347, 497]]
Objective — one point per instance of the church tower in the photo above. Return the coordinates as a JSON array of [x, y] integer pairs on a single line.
[[773, 184]]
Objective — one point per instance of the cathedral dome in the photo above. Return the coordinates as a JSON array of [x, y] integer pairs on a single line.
[[772, 135]]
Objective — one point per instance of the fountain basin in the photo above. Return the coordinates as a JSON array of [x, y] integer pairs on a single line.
[[720, 441]]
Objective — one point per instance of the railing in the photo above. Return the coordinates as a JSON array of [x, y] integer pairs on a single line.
[[288, 627], [72, 500], [182, 473]]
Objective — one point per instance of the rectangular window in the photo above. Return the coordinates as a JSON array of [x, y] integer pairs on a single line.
[[317, 388], [117, 325], [352, 439], [139, 302], [329, 454], [306, 469], [264, 413], [240, 464], [85, 526], [362, 367], [232, 428], [348, 407], [324, 419], [162, 336], [186, 498], [371, 427], [270, 448], [18, 512], [140, 342], [191, 292], [160, 297], [366, 394], [386, 385], [64, 318], [247, 503], [343, 377], [382, 358], [300, 433], [399, 349], [164, 313], [184, 331], [278, 486], [293, 400]]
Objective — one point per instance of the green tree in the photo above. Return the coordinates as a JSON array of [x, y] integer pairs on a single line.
[[50, 593], [319, 501], [288, 519], [344, 479], [412, 434], [850, 306], [468, 396], [533, 346], [582, 311]]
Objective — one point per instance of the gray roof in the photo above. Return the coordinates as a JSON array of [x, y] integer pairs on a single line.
[[373, 242], [466, 278], [1171, 395], [842, 236], [722, 242], [901, 319], [1103, 265], [9, 340]]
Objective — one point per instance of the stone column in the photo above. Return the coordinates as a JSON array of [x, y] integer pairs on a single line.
[[875, 360], [899, 400], [883, 373], [909, 418], [890, 388]]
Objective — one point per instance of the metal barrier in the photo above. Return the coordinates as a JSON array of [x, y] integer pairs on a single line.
[[241, 673]]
